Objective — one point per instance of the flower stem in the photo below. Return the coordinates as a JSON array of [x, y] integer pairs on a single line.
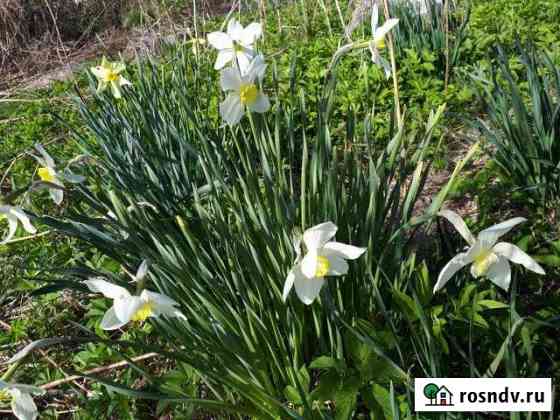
[[446, 30], [393, 67], [11, 370]]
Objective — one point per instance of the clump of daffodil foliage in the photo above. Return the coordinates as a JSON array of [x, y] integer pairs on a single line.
[[217, 192]]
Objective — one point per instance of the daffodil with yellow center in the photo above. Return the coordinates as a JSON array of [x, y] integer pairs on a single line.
[[489, 258], [323, 266], [323, 258], [144, 312], [482, 262], [236, 44], [48, 173], [109, 74], [127, 307], [243, 93], [248, 94], [237, 47], [20, 395], [378, 42]]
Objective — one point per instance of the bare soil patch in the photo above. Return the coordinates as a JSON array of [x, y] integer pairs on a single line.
[[48, 39]]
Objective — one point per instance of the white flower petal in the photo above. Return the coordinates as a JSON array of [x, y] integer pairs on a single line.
[[230, 79], [244, 60], [385, 65], [290, 278], [24, 219], [337, 266], [297, 248], [110, 290], [118, 67], [384, 29], [166, 310], [459, 225], [309, 264], [158, 298], [476, 249], [231, 109], [124, 82], [374, 18], [349, 252], [224, 57], [517, 256], [317, 236], [48, 160], [490, 235], [126, 307], [116, 90], [308, 289], [142, 271], [220, 40], [454, 265], [261, 104], [235, 30], [23, 406], [12, 228], [27, 389], [256, 69], [98, 71], [57, 195], [499, 273], [110, 321], [250, 34], [73, 178]]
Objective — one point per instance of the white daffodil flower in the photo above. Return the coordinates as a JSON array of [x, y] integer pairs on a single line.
[[236, 43], [48, 173], [488, 258], [14, 215], [109, 74], [244, 93], [323, 259], [127, 307], [378, 42], [22, 403]]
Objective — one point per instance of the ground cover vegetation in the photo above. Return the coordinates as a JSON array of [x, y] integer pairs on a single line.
[[262, 228]]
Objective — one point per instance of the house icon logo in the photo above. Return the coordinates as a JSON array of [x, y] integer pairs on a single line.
[[438, 395]]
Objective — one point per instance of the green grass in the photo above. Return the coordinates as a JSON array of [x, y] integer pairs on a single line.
[[26, 265]]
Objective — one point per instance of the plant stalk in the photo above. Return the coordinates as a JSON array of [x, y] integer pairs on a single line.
[[393, 67]]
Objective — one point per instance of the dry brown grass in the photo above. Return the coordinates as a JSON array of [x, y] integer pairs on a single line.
[[11, 30], [39, 34], [47, 39]]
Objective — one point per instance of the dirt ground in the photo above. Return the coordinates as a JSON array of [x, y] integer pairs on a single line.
[[47, 48]]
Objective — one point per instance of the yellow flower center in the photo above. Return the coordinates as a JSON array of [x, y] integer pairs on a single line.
[[380, 44], [45, 175], [5, 396], [248, 94], [237, 47], [111, 76], [144, 312], [482, 263], [323, 266]]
